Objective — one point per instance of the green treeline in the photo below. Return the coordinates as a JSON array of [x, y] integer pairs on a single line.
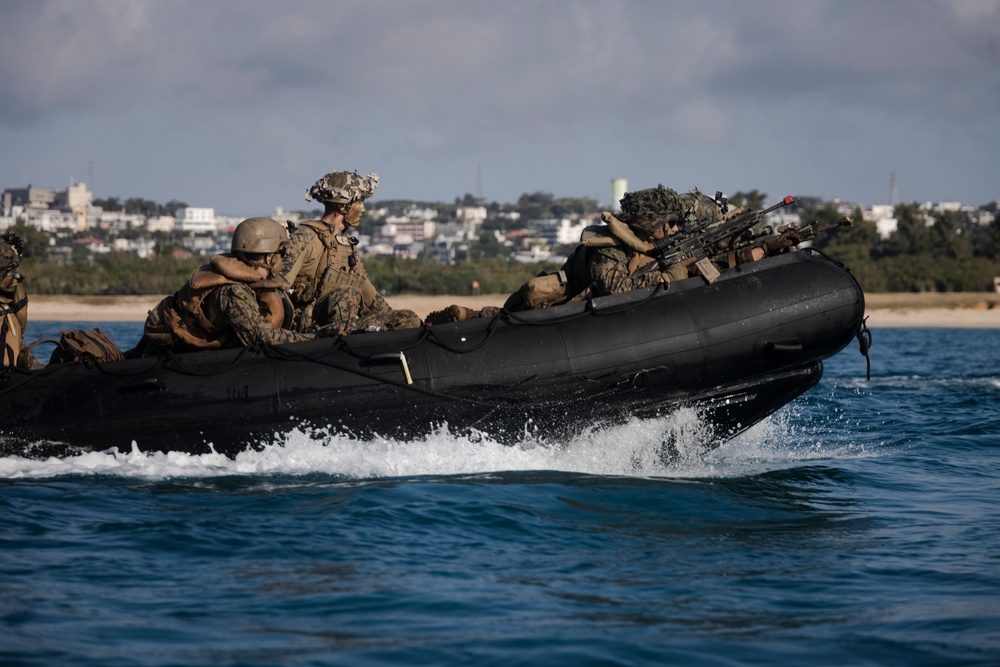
[[119, 273], [929, 252], [114, 273]]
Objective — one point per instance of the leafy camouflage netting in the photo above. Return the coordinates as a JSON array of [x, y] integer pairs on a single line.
[[652, 209], [342, 187], [11, 247]]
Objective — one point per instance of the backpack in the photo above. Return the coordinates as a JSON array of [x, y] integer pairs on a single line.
[[84, 345]]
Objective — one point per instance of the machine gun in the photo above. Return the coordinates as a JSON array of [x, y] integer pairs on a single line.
[[805, 232], [702, 241]]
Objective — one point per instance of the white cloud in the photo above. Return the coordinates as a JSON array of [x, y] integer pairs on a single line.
[[555, 92]]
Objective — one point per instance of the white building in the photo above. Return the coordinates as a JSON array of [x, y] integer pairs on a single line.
[[78, 197], [142, 248], [884, 217], [475, 215], [117, 221], [161, 223], [563, 231], [49, 220], [196, 220], [399, 230]]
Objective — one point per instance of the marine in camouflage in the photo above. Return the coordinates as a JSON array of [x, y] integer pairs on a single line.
[[657, 208], [344, 311], [241, 312], [330, 288], [611, 272], [13, 305], [226, 303], [302, 250], [234, 319]]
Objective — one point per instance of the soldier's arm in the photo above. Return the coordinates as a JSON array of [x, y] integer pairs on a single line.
[[295, 253], [609, 274], [239, 306]]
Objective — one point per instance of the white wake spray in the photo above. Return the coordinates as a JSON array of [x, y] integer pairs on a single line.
[[679, 445]]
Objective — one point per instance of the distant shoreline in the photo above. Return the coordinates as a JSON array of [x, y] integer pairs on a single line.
[[957, 309]]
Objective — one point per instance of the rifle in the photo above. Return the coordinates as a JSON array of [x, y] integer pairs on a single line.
[[702, 241], [805, 232]]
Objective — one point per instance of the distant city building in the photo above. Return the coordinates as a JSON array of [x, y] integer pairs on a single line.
[[884, 218], [197, 244], [78, 197], [513, 216], [473, 214], [161, 223], [141, 248], [619, 186], [64, 214], [27, 198], [403, 231], [563, 231], [196, 220]]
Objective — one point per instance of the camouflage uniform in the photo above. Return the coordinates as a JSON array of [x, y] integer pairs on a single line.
[[13, 305], [329, 286], [225, 304], [611, 272]]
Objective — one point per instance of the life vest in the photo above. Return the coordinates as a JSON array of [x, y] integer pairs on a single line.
[[192, 316], [338, 266], [573, 278]]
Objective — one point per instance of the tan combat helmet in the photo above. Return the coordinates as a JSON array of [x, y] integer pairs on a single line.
[[258, 235], [342, 187]]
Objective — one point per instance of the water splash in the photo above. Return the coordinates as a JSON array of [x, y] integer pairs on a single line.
[[679, 445]]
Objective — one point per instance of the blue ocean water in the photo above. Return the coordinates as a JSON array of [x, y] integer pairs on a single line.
[[860, 525]]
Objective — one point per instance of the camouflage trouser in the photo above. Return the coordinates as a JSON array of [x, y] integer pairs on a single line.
[[343, 311]]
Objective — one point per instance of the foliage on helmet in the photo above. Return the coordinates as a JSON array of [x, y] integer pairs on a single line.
[[11, 249], [653, 209], [342, 187]]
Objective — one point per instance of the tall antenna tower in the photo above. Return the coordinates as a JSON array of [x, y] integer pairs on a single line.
[[893, 189], [479, 180]]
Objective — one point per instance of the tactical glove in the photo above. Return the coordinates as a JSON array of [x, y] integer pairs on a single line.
[[786, 239]]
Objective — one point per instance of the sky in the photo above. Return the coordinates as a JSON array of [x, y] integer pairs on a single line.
[[242, 105]]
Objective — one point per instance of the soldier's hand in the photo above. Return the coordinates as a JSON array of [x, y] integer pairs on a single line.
[[328, 331], [786, 239], [680, 270], [792, 235]]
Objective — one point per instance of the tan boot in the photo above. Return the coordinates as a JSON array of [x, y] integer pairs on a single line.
[[452, 313], [462, 313]]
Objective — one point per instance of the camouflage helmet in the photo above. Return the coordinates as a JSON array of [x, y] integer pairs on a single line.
[[258, 235], [653, 209], [342, 187], [11, 248]]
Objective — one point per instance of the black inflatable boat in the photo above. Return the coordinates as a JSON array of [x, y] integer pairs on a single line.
[[736, 350]]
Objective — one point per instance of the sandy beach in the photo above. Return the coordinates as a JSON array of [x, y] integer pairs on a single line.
[[966, 310]]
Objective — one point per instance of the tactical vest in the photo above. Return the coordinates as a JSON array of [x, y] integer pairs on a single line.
[[13, 321], [573, 278], [334, 269], [192, 316]]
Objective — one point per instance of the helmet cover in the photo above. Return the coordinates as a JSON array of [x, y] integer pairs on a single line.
[[342, 187]]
